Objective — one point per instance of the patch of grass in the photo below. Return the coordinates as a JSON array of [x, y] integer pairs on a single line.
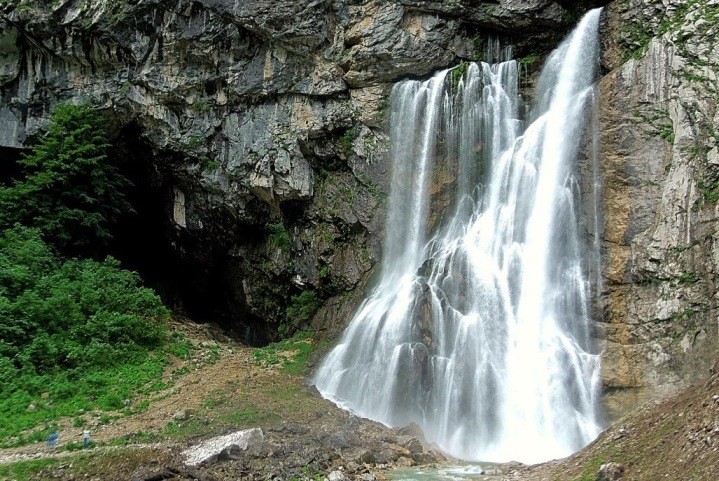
[[180, 347], [457, 73], [191, 428], [251, 417], [217, 398], [27, 470], [529, 59], [201, 106], [280, 237], [207, 164], [71, 392], [347, 140], [688, 278], [292, 354], [589, 472]]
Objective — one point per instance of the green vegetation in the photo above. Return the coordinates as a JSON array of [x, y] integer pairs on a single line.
[[479, 45], [457, 73], [76, 335], [280, 237], [200, 106], [69, 190], [325, 272], [688, 278], [26, 470], [384, 107], [638, 32], [529, 60], [709, 190], [301, 309], [658, 122], [207, 164], [291, 354], [346, 141]]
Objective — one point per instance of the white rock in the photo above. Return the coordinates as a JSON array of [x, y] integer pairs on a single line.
[[337, 476], [211, 448]]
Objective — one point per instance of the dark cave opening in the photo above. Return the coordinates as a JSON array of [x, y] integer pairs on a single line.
[[9, 165], [191, 274]]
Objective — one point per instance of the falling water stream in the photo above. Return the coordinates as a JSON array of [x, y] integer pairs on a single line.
[[479, 328]]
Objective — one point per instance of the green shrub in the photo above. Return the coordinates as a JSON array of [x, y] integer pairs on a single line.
[[280, 237], [303, 307], [76, 334], [69, 190]]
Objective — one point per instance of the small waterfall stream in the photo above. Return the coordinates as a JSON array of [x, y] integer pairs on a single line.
[[478, 330]]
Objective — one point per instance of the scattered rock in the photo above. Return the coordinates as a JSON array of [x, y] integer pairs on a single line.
[[610, 472], [413, 445], [211, 449], [404, 462], [180, 415], [337, 476]]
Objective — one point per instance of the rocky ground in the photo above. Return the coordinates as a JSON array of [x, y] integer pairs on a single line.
[[224, 387]]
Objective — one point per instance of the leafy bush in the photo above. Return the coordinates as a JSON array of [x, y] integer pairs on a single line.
[[74, 334], [301, 309], [280, 237]]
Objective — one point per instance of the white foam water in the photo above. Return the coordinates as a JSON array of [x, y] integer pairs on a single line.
[[479, 331]]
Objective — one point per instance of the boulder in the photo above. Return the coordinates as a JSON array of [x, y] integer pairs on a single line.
[[210, 450]]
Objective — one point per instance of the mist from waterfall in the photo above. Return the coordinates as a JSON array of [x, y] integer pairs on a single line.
[[479, 327]]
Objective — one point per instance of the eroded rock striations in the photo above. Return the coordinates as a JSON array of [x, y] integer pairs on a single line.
[[660, 162], [258, 131], [259, 126]]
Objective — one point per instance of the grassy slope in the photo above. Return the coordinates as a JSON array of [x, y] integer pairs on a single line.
[[221, 386]]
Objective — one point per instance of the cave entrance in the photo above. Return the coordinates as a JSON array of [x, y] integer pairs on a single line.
[[9, 166], [189, 274]]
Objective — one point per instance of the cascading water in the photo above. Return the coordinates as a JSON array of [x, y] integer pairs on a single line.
[[480, 332]]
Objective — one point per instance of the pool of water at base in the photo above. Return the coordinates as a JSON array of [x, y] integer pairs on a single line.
[[467, 472]]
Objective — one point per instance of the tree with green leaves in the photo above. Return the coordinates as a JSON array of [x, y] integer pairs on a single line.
[[70, 191]]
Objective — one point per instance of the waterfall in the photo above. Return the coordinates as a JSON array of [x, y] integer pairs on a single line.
[[479, 327]]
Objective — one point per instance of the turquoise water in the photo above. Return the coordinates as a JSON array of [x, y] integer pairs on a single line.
[[449, 473]]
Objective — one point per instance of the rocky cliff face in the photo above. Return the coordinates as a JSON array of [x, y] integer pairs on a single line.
[[255, 131], [659, 124]]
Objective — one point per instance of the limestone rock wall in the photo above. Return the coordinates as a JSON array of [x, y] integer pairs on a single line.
[[263, 123], [659, 125]]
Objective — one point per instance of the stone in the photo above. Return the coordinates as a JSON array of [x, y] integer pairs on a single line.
[[337, 476], [283, 122], [413, 445], [404, 461], [656, 327], [610, 472], [210, 450], [180, 415]]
